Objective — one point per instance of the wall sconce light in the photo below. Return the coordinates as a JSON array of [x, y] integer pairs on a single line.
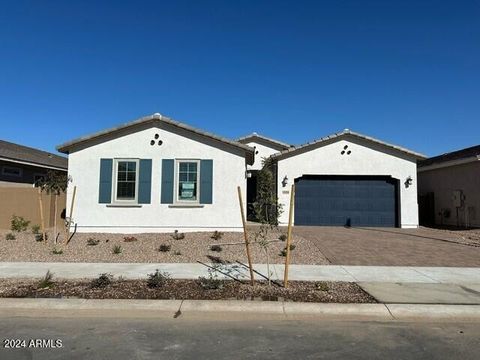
[[408, 181], [285, 181]]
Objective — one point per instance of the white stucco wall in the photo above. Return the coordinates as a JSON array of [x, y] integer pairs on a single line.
[[228, 173], [365, 159], [264, 151], [442, 182]]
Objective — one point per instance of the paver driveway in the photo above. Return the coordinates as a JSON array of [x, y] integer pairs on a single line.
[[390, 246]]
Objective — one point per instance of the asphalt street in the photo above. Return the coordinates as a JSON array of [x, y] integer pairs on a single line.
[[205, 337]]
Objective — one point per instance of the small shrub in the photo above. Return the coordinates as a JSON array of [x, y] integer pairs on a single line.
[[284, 251], [282, 237], [217, 235], [164, 248], [157, 279], [10, 236], [212, 282], [178, 235], [117, 249], [177, 253], [35, 229], [46, 281], [93, 242], [216, 248], [129, 239], [57, 251], [39, 237], [19, 224], [102, 281], [322, 286]]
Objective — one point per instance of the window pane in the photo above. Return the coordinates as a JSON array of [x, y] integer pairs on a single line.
[[183, 166], [192, 167], [132, 165], [122, 166], [131, 176], [122, 176]]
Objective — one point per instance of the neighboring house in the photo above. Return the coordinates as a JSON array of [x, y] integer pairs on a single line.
[[449, 188], [348, 179], [20, 168], [23, 166], [264, 147], [156, 175]]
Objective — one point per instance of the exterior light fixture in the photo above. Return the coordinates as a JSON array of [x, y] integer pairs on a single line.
[[285, 181], [408, 181]]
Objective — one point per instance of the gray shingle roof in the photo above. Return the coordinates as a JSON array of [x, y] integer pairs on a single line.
[[279, 144], [451, 156], [344, 133], [66, 147], [35, 157]]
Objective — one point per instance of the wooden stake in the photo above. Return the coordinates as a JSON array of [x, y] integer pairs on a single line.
[[250, 266], [289, 235], [55, 220], [69, 222], [42, 221]]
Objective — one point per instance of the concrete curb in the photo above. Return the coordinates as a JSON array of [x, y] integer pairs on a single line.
[[223, 308]]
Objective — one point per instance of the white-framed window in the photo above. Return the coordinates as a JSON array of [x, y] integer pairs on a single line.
[[12, 171], [125, 189], [187, 183]]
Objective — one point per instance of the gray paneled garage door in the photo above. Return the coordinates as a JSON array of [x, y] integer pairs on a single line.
[[346, 201]]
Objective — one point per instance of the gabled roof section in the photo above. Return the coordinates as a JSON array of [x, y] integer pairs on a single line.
[[66, 147], [30, 156], [343, 134], [275, 143], [463, 154]]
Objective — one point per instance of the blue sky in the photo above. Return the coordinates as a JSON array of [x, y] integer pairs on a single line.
[[406, 72]]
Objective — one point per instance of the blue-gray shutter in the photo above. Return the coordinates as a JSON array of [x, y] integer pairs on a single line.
[[145, 181], [105, 191], [206, 181], [168, 171]]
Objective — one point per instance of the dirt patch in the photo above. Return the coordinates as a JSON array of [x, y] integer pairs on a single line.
[[154, 248], [470, 237], [326, 292]]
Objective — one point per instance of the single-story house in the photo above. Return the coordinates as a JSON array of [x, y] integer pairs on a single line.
[[24, 166], [449, 188], [349, 179], [156, 174]]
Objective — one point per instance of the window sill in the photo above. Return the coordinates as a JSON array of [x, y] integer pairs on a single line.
[[125, 205], [186, 206]]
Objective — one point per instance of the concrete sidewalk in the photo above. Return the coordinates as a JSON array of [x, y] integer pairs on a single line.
[[366, 274]]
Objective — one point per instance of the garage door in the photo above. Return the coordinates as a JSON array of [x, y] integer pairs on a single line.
[[346, 201]]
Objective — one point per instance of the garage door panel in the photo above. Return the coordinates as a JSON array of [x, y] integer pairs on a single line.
[[341, 201]]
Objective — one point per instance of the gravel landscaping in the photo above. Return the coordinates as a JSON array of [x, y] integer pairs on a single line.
[[327, 292], [155, 248]]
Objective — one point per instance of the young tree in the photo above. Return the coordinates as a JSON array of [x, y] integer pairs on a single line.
[[55, 183], [267, 209]]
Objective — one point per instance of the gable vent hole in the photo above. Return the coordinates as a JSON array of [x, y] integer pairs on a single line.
[[160, 142], [152, 142], [349, 152], [156, 136], [343, 152], [256, 152], [345, 147]]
